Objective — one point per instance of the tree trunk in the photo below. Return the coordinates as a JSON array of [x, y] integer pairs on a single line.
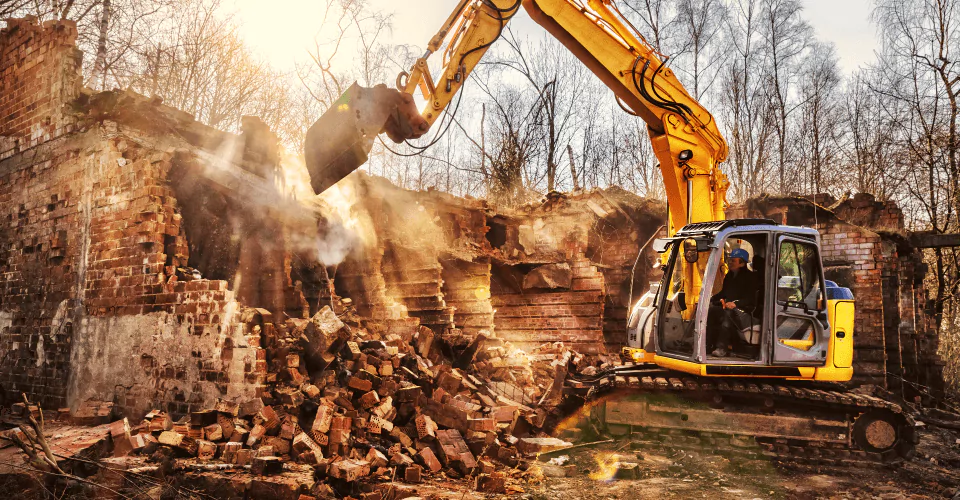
[[100, 63], [573, 168]]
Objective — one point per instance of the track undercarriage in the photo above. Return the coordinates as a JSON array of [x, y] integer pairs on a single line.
[[798, 421]]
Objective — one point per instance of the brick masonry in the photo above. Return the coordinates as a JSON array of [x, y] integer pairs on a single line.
[[459, 265], [39, 72], [91, 306]]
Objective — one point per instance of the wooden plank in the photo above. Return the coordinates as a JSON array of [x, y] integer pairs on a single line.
[[931, 240]]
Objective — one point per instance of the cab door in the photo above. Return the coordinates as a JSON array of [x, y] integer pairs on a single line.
[[800, 330]]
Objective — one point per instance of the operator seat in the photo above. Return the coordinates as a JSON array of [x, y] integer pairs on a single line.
[[751, 335]]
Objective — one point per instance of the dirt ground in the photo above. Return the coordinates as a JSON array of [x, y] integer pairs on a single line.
[[665, 474]]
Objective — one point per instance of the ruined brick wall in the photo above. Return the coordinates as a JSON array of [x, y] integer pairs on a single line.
[[572, 314], [40, 275], [624, 226], [95, 300], [88, 284], [145, 337], [422, 260], [851, 257], [39, 73], [598, 234], [458, 266]]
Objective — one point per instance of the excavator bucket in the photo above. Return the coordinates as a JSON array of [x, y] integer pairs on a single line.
[[340, 140]]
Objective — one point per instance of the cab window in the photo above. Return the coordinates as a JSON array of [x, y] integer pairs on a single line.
[[798, 280], [681, 299]]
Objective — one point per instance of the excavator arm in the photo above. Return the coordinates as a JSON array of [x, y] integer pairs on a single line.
[[684, 134], [469, 31]]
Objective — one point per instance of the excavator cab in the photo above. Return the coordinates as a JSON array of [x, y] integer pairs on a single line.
[[775, 317]]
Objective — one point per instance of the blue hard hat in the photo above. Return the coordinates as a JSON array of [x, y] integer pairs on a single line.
[[740, 254]]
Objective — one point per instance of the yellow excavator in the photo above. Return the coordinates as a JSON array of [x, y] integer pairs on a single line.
[[776, 388]]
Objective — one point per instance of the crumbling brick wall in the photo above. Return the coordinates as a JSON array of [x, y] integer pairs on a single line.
[[458, 265], [39, 72], [850, 255], [98, 299], [40, 271], [96, 309]]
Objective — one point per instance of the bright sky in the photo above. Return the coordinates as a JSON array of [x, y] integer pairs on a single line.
[[846, 23], [282, 31]]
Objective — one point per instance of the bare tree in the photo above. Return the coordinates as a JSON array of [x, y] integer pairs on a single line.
[[871, 118], [657, 20], [558, 79], [916, 59], [744, 106], [820, 129], [701, 24], [513, 137], [786, 38], [16, 8], [326, 76], [100, 62]]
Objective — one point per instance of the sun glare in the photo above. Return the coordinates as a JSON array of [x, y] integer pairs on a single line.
[[282, 31]]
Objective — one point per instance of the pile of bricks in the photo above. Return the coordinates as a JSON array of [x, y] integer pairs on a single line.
[[359, 406]]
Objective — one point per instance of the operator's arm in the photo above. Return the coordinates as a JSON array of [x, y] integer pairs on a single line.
[[721, 295]]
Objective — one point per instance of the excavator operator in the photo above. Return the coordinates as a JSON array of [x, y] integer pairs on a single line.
[[731, 308]]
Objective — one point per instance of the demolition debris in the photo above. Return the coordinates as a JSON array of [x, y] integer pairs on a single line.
[[363, 409]]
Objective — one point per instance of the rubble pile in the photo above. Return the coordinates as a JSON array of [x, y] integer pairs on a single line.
[[362, 405]]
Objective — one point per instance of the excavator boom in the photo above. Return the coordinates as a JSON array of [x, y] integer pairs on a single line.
[[684, 134]]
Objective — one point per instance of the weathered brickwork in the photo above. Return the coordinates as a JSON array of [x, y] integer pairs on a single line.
[[92, 305], [39, 73], [462, 267], [574, 315], [850, 255]]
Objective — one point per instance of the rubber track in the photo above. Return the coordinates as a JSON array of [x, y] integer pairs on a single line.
[[846, 406]]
